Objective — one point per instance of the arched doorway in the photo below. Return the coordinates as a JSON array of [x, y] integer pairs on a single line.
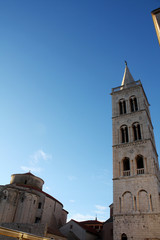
[[124, 236]]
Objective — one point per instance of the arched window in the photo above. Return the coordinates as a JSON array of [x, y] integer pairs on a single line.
[[124, 134], [124, 236], [122, 106], [133, 104], [136, 131], [140, 164], [126, 167]]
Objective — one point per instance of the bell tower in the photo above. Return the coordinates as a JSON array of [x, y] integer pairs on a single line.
[[136, 177]]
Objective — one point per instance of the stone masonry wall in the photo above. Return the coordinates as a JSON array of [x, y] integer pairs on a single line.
[[137, 227]]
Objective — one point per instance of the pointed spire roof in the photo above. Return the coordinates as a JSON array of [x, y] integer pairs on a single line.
[[127, 77]]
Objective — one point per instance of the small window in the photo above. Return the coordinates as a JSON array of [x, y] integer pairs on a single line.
[[124, 134], [71, 226], [122, 106], [133, 104], [5, 194], [37, 219], [39, 205], [124, 236], [25, 182]]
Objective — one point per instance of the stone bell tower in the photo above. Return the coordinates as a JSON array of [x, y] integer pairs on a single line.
[[136, 177]]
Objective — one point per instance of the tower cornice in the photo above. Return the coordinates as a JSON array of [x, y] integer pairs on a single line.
[[135, 143], [136, 176], [130, 86], [137, 214], [134, 113]]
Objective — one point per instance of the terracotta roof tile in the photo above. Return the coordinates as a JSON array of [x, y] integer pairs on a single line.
[[91, 222]]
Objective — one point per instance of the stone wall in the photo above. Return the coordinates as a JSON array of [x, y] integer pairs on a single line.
[[36, 229], [72, 226], [137, 227], [136, 177], [26, 205]]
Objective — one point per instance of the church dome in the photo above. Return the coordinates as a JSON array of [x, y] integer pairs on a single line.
[[27, 179]]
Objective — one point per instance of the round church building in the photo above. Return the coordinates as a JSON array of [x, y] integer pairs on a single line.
[[25, 206]]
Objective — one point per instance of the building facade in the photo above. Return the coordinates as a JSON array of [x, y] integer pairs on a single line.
[[156, 20], [74, 230], [25, 206], [107, 231], [94, 224], [136, 177]]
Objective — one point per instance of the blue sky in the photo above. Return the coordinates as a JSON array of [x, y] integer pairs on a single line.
[[59, 60]]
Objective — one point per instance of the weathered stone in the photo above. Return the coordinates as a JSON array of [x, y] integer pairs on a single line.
[[136, 175]]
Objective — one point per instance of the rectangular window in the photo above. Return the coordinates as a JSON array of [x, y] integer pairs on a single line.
[[39, 205], [37, 219]]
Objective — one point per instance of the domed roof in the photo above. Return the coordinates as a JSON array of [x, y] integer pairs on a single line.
[[27, 179]]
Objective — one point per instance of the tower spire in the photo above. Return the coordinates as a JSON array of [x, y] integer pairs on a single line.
[[127, 77]]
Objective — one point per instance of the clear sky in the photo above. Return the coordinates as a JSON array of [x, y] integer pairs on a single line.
[[59, 60]]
